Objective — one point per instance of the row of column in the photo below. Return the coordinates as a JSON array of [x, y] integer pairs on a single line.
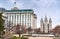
[[22, 19]]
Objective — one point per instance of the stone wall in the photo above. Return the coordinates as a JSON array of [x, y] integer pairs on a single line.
[[44, 37]]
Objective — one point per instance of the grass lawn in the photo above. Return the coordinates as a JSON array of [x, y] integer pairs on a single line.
[[19, 38], [16, 37]]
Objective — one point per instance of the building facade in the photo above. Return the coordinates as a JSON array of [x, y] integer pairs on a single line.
[[46, 25], [25, 17]]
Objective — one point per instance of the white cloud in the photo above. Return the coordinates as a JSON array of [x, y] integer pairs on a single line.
[[1, 5], [12, 1], [19, 5]]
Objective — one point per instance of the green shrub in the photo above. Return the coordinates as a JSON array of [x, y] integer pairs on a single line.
[[23, 38], [15, 37], [19, 37]]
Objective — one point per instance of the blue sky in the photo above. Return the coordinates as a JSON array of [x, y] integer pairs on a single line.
[[40, 7]]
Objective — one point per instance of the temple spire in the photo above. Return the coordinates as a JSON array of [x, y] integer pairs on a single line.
[[50, 20], [41, 20], [46, 18]]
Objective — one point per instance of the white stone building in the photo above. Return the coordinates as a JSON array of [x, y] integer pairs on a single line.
[[24, 17], [46, 25]]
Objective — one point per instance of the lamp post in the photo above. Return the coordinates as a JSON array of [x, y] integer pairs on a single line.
[[20, 32]]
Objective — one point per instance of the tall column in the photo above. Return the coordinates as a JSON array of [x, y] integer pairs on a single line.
[[12, 19], [15, 19], [20, 18], [25, 20]]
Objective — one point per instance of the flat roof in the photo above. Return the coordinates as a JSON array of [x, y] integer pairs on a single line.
[[23, 10]]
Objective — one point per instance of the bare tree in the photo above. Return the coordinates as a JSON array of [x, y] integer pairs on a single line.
[[18, 29], [24, 30], [29, 30], [9, 25], [56, 30]]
